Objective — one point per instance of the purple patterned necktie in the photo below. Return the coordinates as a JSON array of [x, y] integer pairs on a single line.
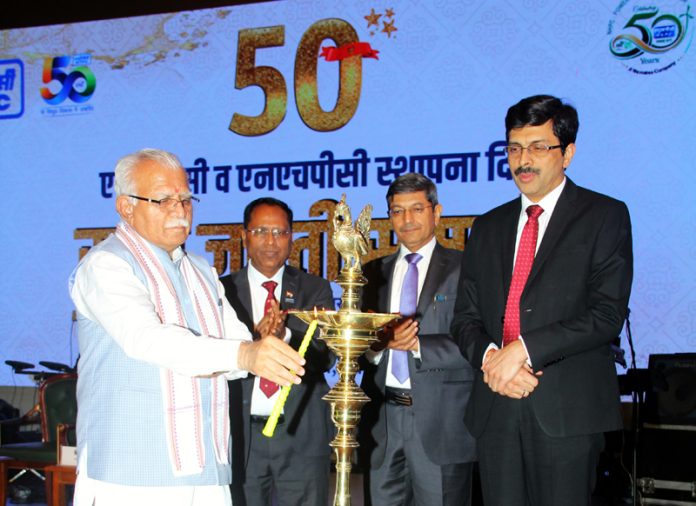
[[407, 307]]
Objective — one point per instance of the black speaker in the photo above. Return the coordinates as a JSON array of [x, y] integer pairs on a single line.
[[671, 400], [667, 454]]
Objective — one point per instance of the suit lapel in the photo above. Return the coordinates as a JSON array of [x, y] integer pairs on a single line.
[[289, 289], [384, 297], [508, 234], [288, 300], [241, 281], [433, 279], [246, 316], [562, 214]]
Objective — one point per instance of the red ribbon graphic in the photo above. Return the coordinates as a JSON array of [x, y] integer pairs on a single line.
[[347, 50]]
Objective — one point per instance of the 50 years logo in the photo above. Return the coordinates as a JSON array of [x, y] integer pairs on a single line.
[[67, 77], [651, 37]]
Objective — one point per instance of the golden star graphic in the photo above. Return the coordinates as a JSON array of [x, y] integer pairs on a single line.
[[389, 28], [389, 13], [373, 18]]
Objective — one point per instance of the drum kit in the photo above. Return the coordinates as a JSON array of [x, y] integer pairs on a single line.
[[22, 430], [31, 417]]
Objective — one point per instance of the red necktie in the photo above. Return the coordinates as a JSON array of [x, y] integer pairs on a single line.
[[267, 386], [523, 265]]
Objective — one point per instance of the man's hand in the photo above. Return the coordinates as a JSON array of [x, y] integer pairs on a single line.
[[402, 335], [272, 323], [272, 359], [501, 366], [523, 384]]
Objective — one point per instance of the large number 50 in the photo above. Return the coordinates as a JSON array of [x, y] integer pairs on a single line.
[[272, 82]]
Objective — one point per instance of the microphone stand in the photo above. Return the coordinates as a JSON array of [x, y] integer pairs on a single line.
[[636, 396]]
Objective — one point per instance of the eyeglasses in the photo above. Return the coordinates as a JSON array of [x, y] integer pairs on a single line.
[[263, 232], [537, 149], [397, 212], [169, 203]]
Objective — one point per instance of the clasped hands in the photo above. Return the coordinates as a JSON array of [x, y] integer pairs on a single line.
[[400, 335], [269, 356], [507, 372]]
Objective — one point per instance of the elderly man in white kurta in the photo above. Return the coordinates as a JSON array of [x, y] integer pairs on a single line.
[[158, 342]]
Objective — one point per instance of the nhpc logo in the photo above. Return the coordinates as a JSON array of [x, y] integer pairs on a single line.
[[650, 38], [11, 89]]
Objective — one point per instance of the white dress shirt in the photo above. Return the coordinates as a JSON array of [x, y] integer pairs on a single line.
[[548, 204], [400, 268], [260, 404]]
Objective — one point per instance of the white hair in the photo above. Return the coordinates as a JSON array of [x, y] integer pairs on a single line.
[[123, 179]]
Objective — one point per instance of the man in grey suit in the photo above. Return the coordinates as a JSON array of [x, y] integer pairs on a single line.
[[294, 464], [412, 432]]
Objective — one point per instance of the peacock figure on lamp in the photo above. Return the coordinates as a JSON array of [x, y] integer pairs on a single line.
[[351, 241]]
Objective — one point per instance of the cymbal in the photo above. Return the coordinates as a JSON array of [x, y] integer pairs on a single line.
[[56, 366]]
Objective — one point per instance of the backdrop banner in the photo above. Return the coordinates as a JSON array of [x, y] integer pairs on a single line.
[[306, 100]]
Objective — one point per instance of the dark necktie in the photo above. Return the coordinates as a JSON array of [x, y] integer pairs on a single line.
[[267, 386], [407, 307], [523, 265]]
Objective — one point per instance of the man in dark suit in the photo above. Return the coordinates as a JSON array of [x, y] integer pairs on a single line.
[[413, 429], [543, 291], [294, 464]]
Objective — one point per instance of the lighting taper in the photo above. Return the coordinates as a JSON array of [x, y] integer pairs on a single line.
[[272, 421]]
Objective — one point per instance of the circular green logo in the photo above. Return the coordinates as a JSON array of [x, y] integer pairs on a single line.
[[650, 37]]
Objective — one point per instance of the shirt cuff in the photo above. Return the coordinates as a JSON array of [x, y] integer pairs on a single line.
[[231, 354], [373, 357], [417, 353], [529, 360], [491, 346]]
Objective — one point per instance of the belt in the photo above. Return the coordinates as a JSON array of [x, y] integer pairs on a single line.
[[264, 419], [398, 396]]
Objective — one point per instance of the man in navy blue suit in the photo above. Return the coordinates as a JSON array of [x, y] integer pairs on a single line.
[[294, 464]]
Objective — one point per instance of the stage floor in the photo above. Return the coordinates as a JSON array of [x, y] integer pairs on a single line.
[[356, 491]]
